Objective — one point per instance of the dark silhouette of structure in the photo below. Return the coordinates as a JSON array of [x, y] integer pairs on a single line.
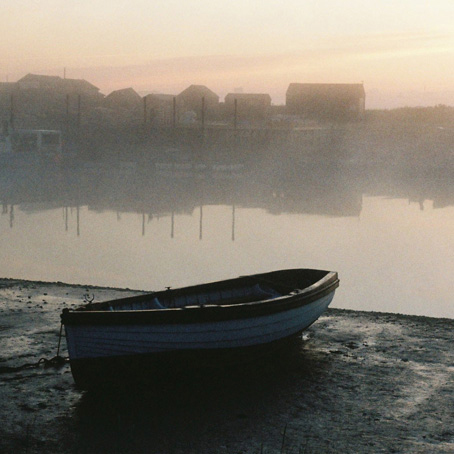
[[126, 98], [326, 101], [248, 106], [199, 99]]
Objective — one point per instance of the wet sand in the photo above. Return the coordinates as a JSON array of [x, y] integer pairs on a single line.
[[358, 382]]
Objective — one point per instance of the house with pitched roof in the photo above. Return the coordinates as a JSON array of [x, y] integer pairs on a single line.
[[42, 101], [196, 96], [126, 98], [35, 82]]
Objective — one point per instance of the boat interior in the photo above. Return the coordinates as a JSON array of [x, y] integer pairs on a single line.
[[174, 299], [241, 290]]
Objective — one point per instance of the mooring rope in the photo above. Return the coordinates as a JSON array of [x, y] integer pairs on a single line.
[[56, 361]]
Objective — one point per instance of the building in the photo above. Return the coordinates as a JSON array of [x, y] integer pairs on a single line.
[[249, 106], [51, 102], [160, 109], [6, 113], [55, 84], [332, 102], [196, 96], [126, 98]]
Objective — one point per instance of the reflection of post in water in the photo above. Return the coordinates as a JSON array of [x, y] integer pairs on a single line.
[[143, 223], [78, 220], [172, 223], [11, 216], [65, 214], [201, 222], [233, 222]]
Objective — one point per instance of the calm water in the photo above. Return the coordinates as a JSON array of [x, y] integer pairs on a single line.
[[390, 237]]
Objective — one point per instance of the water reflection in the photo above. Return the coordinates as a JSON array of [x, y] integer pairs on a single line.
[[139, 225], [154, 194], [155, 191]]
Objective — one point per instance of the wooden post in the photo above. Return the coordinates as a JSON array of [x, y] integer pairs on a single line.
[[144, 111], [174, 118], [235, 117], [11, 113], [203, 112], [67, 112], [78, 111]]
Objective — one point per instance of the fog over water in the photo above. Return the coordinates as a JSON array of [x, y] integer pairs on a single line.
[[147, 226]]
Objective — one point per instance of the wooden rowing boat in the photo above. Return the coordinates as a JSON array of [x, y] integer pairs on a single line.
[[203, 325]]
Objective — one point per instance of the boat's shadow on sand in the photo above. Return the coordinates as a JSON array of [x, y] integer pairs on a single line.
[[183, 413]]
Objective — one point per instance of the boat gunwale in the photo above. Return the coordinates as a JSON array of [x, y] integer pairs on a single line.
[[204, 313]]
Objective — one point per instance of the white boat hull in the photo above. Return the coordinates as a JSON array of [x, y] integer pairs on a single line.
[[97, 341]]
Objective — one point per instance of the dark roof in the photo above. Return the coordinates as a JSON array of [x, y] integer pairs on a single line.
[[296, 89], [39, 77], [200, 89], [124, 94], [80, 84], [57, 82]]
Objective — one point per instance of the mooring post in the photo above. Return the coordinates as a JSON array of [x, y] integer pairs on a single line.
[[203, 112], [235, 116], [79, 101], [11, 113], [67, 112], [144, 111]]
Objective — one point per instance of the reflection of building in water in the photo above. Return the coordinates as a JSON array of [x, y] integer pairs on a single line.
[[163, 193]]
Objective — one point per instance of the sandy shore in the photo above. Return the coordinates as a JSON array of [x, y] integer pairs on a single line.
[[357, 383]]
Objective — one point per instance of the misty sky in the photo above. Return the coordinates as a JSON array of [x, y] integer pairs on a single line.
[[403, 50]]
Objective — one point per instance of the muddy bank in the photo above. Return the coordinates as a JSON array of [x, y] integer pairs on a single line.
[[357, 382]]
